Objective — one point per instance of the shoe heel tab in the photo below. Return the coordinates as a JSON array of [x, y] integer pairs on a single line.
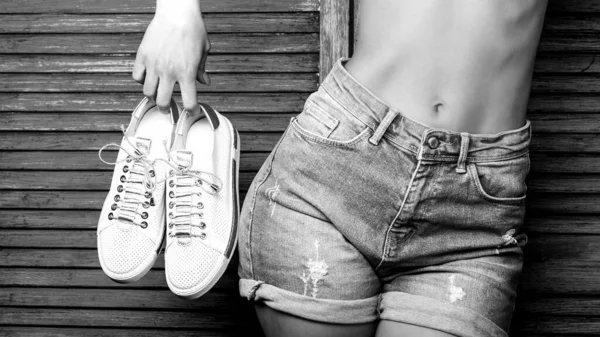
[[211, 114]]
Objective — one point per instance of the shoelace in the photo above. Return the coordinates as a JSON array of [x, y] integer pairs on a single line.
[[126, 208], [184, 177]]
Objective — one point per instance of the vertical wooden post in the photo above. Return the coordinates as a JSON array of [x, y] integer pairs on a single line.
[[335, 33]]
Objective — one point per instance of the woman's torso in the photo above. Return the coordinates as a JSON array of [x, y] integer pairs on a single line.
[[461, 65]]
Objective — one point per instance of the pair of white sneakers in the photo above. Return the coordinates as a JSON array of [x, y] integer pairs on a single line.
[[175, 184]]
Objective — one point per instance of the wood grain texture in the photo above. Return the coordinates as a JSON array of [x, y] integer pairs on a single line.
[[573, 163], [141, 6], [129, 43], [88, 160], [125, 102], [100, 181], [334, 33], [272, 82], [274, 122], [250, 141], [229, 63], [307, 22]]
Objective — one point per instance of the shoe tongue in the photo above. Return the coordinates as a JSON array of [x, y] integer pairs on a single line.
[[143, 145], [184, 158]]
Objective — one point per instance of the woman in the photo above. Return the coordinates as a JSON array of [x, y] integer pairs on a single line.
[[393, 204]]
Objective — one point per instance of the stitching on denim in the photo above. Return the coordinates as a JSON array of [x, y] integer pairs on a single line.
[[479, 188], [387, 234], [318, 139], [347, 109]]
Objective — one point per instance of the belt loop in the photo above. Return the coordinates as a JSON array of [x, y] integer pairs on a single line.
[[385, 123], [464, 149]]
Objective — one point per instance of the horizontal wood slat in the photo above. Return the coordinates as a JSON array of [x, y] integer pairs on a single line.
[[229, 63], [225, 43], [129, 43], [100, 181], [549, 123], [85, 181], [240, 83], [88, 160], [141, 6], [545, 63], [25, 331], [553, 203], [573, 6], [250, 141], [86, 219], [242, 102], [57, 257], [111, 298], [137, 23], [95, 278], [216, 317], [124, 102], [298, 22], [275, 82], [251, 161]]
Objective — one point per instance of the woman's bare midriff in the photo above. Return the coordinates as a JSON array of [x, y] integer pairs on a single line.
[[460, 65]]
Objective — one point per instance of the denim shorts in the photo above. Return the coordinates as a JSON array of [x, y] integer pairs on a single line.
[[360, 213]]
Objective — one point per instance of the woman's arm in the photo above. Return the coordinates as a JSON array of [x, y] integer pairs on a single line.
[[173, 49]]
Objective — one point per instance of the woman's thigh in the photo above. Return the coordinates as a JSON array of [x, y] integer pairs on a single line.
[[276, 324]]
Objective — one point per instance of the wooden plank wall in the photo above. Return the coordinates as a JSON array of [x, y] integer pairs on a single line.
[[65, 88]]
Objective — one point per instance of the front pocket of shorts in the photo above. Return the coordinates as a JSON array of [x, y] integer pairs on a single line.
[[501, 182], [324, 121]]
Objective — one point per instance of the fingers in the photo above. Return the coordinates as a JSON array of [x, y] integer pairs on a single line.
[[163, 96], [202, 75], [150, 84], [189, 94], [139, 70]]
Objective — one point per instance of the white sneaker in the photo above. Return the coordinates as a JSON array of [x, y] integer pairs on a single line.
[[132, 222], [202, 202]]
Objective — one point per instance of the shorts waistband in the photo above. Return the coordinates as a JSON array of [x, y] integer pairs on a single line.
[[426, 142]]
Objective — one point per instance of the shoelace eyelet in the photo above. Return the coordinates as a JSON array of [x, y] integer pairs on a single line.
[[200, 205], [120, 188], [144, 215], [171, 194], [125, 169], [171, 225], [152, 174], [148, 195], [146, 205], [113, 207], [171, 204], [171, 215], [117, 198], [129, 159], [123, 179], [202, 225], [144, 224], [171, 172], [198, 183], [110, 216], [171, 183], [203, 236]]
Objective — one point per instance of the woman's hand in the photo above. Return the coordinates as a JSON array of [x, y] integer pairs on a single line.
[[173, 49]]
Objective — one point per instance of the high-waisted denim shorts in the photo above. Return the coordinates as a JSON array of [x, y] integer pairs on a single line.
[[360, 213]]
